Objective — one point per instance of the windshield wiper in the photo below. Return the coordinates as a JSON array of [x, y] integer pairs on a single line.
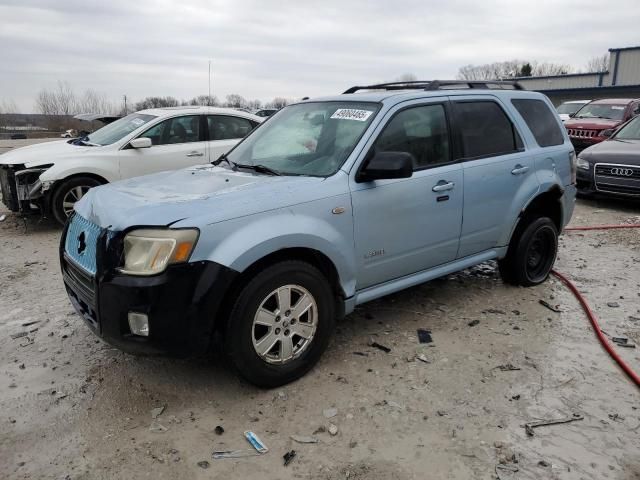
[[258, 168], [222, 158]]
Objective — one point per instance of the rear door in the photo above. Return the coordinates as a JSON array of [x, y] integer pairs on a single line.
[[496, 170], [224, 132], [403, 226], [177, 142]]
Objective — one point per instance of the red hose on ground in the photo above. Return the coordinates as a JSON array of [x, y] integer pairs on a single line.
[[585, 306], [602, 227]]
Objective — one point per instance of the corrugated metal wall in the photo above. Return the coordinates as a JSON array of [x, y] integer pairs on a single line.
[[560, 82], [628, 67]]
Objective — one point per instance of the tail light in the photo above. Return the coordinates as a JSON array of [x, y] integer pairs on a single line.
[[573, 166]]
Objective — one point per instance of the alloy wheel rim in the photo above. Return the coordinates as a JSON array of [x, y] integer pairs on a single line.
[[284, 324], [71, 197]]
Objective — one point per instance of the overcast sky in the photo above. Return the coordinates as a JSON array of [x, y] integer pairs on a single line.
[[262, 49]]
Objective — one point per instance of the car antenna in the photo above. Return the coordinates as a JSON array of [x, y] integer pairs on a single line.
[[209, 96]]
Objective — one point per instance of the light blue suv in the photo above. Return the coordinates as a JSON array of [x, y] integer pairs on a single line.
[[330, 203]]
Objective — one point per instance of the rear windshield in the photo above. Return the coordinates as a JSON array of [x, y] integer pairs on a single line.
[[541, 121], [601, 110]]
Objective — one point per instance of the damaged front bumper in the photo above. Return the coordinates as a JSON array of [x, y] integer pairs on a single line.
[[22, 190], [182, 304]]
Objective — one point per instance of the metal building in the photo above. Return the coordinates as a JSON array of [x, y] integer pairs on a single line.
[[621, 80]]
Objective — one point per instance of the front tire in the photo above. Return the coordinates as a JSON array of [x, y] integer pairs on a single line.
[[531, 254], [280, 324], [67, 194]]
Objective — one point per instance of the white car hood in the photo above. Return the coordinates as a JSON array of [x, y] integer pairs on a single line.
[[45, 153]]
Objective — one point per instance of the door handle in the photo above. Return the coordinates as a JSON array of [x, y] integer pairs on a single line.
[[519, 170], [195, 154], [443, 186]]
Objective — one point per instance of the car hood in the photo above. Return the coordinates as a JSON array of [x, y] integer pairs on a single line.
[[44, 153], [213, 193], [614, 151], [591, 123]]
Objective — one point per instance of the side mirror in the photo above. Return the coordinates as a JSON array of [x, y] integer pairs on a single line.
[[141, 142], [386, 165], [607, 133], [571, 115]]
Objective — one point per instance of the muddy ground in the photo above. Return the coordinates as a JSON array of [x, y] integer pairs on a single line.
[[72, 407]]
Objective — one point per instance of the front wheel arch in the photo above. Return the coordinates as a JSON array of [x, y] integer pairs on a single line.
[[308, 255], [55, 190]]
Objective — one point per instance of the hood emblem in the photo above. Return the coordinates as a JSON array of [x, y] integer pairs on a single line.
[[82, 244]]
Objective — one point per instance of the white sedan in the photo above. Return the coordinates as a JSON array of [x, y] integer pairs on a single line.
[[52, 176]]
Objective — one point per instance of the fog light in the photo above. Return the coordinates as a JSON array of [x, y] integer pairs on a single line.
[[139, 324]]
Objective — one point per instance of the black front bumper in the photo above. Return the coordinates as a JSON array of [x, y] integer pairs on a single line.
[[182, 304], [588, 182]]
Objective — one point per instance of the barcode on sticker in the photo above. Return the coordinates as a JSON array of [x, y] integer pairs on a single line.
[[137, 121], [352, 114]]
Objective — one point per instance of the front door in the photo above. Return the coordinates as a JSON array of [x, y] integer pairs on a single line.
[[403, 226], [177, 142]]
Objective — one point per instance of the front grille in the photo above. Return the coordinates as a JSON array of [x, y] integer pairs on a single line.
[[81, 288], [620, 179], [8, 188], [582, 133], [81, 243], [83, 283], [618, 171]]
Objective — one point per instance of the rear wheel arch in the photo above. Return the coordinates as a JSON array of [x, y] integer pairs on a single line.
[[547, 204]]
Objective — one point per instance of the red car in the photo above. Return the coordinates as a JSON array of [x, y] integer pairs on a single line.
[[596, 121]]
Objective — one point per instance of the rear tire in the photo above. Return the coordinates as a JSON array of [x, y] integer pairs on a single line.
[[531, 254], [67, 194], [272, 315]]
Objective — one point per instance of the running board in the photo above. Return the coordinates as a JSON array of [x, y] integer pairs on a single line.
[[401, 283]]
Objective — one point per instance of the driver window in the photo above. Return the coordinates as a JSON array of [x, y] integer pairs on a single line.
[[175, 130], [420, 131]]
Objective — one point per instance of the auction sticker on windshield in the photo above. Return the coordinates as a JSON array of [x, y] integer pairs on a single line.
[[351, 114]]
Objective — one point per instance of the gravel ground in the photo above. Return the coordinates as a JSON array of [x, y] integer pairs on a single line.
[[73, 407]]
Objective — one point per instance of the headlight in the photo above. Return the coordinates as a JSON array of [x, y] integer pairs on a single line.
[[149, 251], [582, 164]]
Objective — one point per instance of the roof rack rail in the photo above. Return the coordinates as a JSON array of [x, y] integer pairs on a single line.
[[438, 84]]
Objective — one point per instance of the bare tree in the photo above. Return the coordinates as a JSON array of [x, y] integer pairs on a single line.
[[235, 101], [511, 69], [96, 102], [598, 64], [491, 71], [156, 102], [254, 104], [544, 69], [278, 102], [59, 101], [205, 101]]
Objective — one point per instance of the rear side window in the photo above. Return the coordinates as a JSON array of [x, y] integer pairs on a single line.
[[540, 120], [226, 127], [485, 129]]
